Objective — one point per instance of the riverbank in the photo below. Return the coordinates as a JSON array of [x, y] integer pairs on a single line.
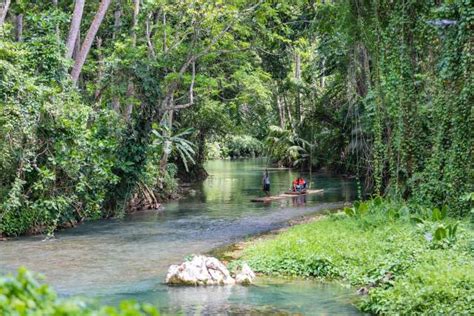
[[139, 203], [396, 265], [234, 251]]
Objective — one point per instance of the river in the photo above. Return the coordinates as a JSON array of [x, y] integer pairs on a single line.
[[127, 258]]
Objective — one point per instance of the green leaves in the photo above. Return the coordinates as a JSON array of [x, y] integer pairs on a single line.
[[57, 155], [22, 295], [402, 272], [350, 211], [286, 146], [359, 209], [176, 143], [438, 215], [446, 232]]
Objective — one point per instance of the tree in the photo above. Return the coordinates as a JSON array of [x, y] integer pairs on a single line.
[[4, 11], [19, 27], [131, 87], [86, 45], [74, 29]]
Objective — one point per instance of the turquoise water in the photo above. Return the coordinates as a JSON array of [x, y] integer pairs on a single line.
[[128, 258]]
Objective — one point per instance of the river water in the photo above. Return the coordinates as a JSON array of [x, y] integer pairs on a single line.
[[127, 258]]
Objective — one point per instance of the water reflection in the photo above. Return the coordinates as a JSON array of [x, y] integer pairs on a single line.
[[267, 297]]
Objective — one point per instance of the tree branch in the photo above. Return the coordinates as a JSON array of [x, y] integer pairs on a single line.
[[151, 49], [191, 92], [192, 60]]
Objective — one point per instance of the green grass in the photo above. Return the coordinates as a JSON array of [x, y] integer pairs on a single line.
[[405, 272]]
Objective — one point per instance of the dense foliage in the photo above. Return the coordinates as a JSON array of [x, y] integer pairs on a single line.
[[377, 89], [57, 153], [23, 295], [116, 136], [408, 266], [104, 104], [235, 146], [382, 90]]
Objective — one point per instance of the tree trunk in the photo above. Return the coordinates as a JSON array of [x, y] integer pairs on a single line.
[[116, 104], [281, 111], [167, 134], [129, 109], [58, 36], [323, 72], [4, 11], [136, 10], [100, 68], [75, 27], [298, 82], [151, 49], [287, 106], [77, 44], [117, 20], [131, 86], [86, 45], [117, 25], [19, 28], [165, 48]]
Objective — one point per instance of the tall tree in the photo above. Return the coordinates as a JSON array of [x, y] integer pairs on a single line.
[[4, 11], [86, 45], [117, 20], [298, 83], [131, 87], [19, 27], [75, 27]]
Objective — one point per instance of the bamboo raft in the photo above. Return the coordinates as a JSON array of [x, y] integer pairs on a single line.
[[285, 195]]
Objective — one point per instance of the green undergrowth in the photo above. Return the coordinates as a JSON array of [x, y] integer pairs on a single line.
[[409, 264], [23, 295]]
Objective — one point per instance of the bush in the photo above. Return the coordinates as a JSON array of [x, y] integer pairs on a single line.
[[22, 295], [63, 160], [441, 283], [215, 150], [235, 146], [240, 146], [57, 154]]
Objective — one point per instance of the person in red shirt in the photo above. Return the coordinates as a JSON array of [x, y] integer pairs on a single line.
[[295, 185], [300, 184]]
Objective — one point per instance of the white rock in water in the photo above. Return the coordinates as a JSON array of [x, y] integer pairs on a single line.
[[201, 270], [245, 276]]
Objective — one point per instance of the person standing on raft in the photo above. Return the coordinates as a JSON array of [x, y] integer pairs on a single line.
[[266, 183]]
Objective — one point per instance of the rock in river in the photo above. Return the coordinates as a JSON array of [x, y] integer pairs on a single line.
[[201, 270], [245, 276]]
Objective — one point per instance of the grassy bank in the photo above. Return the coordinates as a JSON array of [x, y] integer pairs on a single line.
[[407, 264]]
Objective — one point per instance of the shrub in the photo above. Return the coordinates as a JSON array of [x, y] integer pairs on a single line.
[[57, 154], [214, 150], [441, 282], [22, 295], [235, 146], [244, 146]]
